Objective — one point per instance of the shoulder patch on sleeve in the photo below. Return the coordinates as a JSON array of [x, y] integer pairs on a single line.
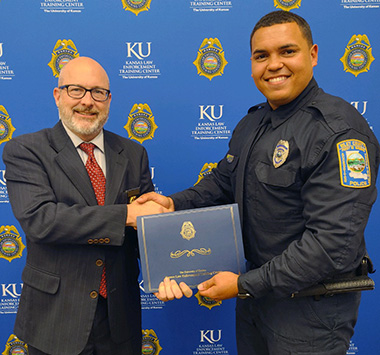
[[354, 164]]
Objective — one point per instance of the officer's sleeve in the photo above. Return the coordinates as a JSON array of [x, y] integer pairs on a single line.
[[338, 195]]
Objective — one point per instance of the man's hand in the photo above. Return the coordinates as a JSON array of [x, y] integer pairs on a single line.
[[169, 289], [164, 201], [220, 287], [142, 209]]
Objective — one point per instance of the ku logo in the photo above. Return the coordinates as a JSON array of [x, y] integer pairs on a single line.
[[356, 104], [10, 290], [1, 49], [211, 336], [3, 182], [136, 49], [152, 172], [209, 112]]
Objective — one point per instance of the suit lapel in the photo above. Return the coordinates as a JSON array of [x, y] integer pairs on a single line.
[[70, 162], [116, 168]]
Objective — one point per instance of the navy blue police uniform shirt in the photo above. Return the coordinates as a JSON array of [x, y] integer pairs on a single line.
[[305, 184]]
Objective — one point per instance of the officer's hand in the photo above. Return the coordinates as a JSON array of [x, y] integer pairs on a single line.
[[220, 287]]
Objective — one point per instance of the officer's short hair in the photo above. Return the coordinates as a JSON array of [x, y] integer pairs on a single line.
[[279, 17]]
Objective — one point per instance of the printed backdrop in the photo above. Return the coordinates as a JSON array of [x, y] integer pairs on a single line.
[[180, 82]]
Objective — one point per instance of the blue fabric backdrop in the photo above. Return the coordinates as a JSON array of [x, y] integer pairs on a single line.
[[180, 80]]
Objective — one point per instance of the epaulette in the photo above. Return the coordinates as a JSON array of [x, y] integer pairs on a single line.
[[256, 107], [331, 115]]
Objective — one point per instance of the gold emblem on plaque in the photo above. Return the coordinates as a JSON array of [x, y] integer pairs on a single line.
[[188, 230]]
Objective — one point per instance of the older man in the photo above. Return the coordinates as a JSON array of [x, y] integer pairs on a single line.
[[69, 187]]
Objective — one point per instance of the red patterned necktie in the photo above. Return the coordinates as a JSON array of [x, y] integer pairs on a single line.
[[98, 182]]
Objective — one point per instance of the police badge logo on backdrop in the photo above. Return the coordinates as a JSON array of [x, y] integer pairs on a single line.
[[358, 56], [210, 60], [150, 343], [11, 245], [287, 5], [15, 346], [207, 302], [136, 6], [6, 127], [140, 125], [64, 50], [206, 170]]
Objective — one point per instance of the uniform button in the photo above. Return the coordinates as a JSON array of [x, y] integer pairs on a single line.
[[96, 241], [101, 240], [93, 294], [107, 240], [99, 262], [90, 241]]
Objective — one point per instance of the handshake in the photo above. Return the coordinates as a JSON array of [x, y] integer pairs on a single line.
[[147, 204]]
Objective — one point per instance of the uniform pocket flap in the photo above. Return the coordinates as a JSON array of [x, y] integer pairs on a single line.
[[269, 175], [40, 280]]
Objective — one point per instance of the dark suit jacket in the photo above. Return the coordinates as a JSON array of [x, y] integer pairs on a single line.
[[67, 233]]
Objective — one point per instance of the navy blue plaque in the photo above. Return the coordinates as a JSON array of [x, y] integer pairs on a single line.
[[190, 245]]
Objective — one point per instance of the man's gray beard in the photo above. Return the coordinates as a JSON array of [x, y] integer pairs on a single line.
[[66, 117]]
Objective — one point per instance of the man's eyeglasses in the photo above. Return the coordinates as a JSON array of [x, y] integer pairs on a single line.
[[77, 92]]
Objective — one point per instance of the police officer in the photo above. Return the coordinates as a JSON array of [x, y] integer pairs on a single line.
[[302, 168]]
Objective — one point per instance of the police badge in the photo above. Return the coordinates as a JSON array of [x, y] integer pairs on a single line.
[[210, 60], [64, 50], [206, 170], [140, 125], [150, 343], [287, 5], [136, 6], [15, 346], [6, 127], [188, 230], [11, 245], [358, 55], [280, 153], [206, 301]]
